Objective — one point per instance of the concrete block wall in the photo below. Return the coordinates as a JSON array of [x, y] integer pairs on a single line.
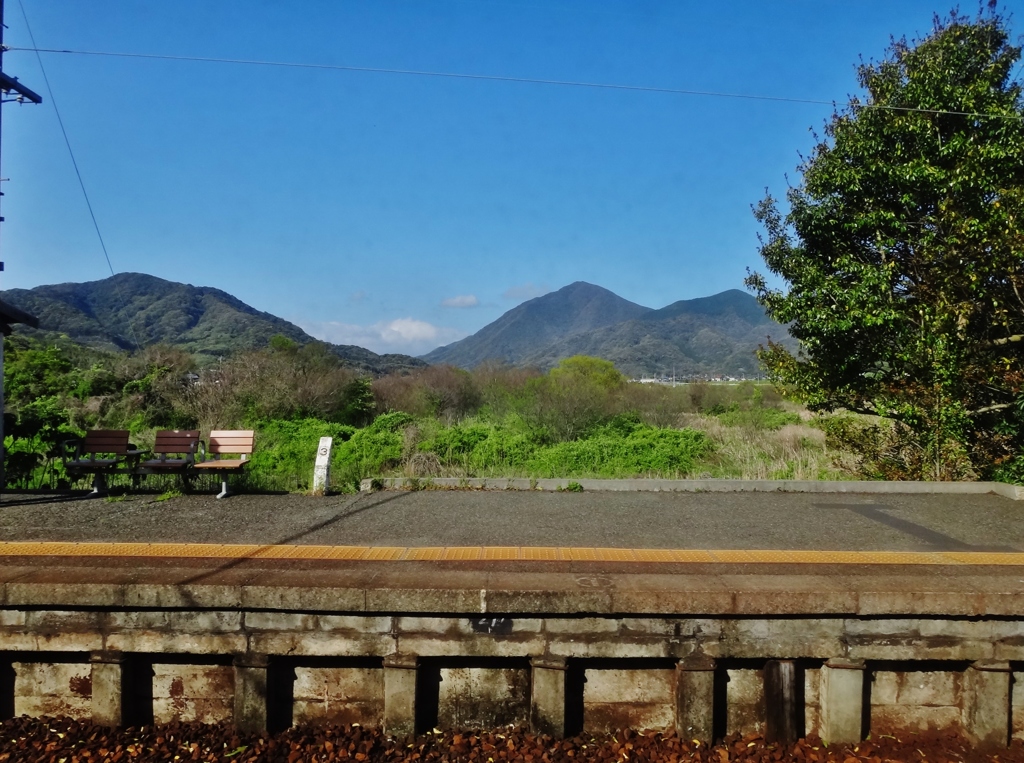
[[338, 695], [49, 688], [1017, 706], [614, 698], [916, 700], [745, 710], [812, 701], [473, 697], [379, 669], [203, 693]]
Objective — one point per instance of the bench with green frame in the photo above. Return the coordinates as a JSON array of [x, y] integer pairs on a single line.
[[100, 453], [174, 452]]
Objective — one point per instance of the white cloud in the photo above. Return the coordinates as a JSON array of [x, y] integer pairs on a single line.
[[525, 291], [357, 296], [406, 335], [466, 300]]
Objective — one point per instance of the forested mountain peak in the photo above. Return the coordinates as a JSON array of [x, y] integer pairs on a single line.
[[119, 312], [710, 335], [536, 323]]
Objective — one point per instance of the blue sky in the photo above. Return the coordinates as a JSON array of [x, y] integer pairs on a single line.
[[402, 212]]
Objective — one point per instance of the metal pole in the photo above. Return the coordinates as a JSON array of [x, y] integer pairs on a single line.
[[9, 85], [3, 398]]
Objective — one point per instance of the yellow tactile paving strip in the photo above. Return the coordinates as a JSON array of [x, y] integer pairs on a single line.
[[501, 553]]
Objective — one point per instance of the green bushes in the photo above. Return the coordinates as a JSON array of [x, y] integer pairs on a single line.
[[370, 451], [644, 452], [755, 416], [619, 449], [582, 419], [285, 451]]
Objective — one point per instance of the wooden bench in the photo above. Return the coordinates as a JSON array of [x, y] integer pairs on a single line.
[[174, 453], [99, 453], [226, 442]]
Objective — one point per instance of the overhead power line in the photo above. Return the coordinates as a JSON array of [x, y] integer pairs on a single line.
[[78, 174], [501, 78]]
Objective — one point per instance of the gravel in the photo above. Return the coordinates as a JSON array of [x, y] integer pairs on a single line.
[[63, 740]]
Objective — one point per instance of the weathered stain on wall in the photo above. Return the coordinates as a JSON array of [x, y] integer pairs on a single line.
[[745, 702], [812, 701], [623, 668], [621, 698], [1017, 706], [46, 688], [338, 695], [483, 697], [916, 700], [203, 693]]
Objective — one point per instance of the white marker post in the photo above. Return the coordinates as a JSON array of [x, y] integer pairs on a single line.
[[322, 467]]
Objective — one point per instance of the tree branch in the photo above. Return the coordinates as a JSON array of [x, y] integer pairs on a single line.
[[989, 409], [1006, 340], [865, 411], [1014, 285]]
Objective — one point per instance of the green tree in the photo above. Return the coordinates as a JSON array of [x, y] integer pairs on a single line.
[[578, 394], [902, 253]]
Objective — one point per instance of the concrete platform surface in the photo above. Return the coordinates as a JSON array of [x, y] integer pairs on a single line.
[[784, 554], [451, 518]]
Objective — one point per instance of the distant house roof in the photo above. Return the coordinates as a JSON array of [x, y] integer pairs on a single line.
[[10, 314]]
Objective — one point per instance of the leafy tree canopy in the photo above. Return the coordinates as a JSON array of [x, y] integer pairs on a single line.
[[902, 253]]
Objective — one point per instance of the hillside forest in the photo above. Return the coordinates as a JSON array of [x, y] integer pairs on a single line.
[[580, 419]]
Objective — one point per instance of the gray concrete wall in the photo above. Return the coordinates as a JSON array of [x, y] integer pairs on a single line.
[[614, 698], [203, 693], [916, 666], [916, 700], [483, 697], [47, 688], [315, 635], [745, 712], [338, 695]]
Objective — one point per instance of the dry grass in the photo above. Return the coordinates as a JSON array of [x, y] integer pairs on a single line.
[[794, 452]]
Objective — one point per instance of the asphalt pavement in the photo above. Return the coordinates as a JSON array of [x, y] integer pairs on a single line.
[[765, 521]]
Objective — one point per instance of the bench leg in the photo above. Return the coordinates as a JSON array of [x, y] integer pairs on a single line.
[[99, 483], [223, 488]]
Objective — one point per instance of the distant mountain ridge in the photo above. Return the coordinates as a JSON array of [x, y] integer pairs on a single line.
[[114, 313], [577, 308], [709, 335]]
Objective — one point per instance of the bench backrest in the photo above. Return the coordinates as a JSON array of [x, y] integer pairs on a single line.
[[105, 441], [176, 441], [232, 442]]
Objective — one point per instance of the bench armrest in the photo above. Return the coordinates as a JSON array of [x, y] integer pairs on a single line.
[[67, 452]]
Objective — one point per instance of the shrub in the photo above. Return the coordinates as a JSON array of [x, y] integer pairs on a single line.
[[286, 450], [755, 417], [482, 447], [645, 451], [576, 396], [370, 451], [442, 391]]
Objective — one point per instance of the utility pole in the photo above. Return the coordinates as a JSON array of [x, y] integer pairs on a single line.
[[10, 90]]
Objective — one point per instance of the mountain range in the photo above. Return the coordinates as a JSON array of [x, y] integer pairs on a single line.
[[709, 335], [134, 309]]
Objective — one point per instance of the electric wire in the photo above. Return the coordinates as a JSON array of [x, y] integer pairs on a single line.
[[504, 78], [81, 181]]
